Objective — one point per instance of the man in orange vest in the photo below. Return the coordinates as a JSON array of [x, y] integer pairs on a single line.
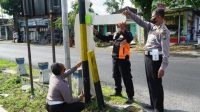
[[121, 62]]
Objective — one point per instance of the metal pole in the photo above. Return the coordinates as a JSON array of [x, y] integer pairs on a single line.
[[179, 27], [52, 38], [26, 14], [66, 42], [84, 50], [29, 56], [52, 32]]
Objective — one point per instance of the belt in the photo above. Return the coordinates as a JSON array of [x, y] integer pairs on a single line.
[[150, 53], [54, 102]]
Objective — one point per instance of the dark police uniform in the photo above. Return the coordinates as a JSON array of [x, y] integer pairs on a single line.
[[121, 62], [158, 40]]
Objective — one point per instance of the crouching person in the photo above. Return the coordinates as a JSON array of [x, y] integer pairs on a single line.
[[59, 95]]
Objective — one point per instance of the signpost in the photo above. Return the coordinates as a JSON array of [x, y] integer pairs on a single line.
[[27, 12], [35, 9]]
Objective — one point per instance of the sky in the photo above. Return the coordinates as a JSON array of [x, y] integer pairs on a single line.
[[98, 6]]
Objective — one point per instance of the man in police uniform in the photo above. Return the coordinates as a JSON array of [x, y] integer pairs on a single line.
[[156, 55], [121, 62]]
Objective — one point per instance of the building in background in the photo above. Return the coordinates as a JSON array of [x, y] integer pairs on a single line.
[[189, 23], [131, 25], [5, 31]]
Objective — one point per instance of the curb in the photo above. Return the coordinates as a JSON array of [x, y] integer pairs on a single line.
[[178, 54], [184, 55]]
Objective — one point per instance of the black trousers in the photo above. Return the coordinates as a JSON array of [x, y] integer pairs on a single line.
[[122, 70], [72, 107], [156, 91]]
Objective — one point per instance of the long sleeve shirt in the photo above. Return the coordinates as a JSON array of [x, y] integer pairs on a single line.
[[158, 38], [125, 34], [59, 89], [121, 48]]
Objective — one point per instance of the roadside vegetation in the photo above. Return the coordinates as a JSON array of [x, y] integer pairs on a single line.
[[13, 99]]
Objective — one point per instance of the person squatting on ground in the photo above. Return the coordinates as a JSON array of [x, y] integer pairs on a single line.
[[156, 55], [59, 94], [121, 62]]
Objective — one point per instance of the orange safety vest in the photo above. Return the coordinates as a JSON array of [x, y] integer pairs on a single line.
[[124, 51], [121, 51]]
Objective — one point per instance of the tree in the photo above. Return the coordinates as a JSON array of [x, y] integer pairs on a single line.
[[71, 16], [112, 6], [180, 3], [146, 8], [12, 7]]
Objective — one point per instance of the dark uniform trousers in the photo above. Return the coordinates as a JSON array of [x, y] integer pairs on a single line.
[[154, 83], [72, 107], [122, 70]]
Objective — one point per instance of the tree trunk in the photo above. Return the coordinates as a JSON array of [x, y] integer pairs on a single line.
[[16, 27]]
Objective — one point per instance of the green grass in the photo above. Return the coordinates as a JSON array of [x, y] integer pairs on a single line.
[[19, 101], [7, 64], [173, 48]]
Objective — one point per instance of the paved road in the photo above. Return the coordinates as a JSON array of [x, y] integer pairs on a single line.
[[181, 82]]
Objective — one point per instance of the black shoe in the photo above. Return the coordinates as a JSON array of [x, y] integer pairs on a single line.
[[116, 94], [149, 107], [129, 101]]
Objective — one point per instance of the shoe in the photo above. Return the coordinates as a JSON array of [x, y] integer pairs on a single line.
[[129, 101], [149, 107], [116, 94]]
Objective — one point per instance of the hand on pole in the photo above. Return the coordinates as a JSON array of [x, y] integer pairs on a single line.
[[78, 64], [81, 96]]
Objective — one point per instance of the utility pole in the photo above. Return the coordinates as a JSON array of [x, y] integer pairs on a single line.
[[26, 15], [66, 42], [84, 50], [52, 31]]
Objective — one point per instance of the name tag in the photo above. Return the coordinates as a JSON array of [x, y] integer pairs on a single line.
[[155, 55]]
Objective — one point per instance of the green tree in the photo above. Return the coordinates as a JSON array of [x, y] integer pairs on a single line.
[[146, 9], [14, 8], [112, 6], [71, 16], [178, 3]]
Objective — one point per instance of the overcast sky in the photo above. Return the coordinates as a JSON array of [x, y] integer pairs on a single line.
[[98, 6]]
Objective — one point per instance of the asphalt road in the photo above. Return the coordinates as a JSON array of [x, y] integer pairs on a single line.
[[181, 81]]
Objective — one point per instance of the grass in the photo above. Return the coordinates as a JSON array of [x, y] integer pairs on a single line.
[[19, 101]]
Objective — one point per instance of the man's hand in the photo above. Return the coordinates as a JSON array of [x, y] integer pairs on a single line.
[[78, 64], [81, 96], [161, 73], [126, 12]]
